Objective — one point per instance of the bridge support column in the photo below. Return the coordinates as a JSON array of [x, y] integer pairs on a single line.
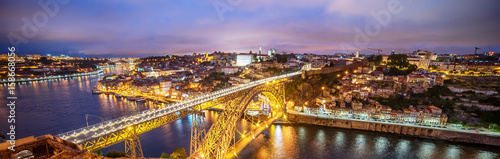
[[133, 146], [197, 132]]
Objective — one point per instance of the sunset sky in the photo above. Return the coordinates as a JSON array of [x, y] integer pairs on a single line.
[[121, 28]]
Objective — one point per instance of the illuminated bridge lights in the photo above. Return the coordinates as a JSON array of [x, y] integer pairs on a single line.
[[222, 132], [110, 132]]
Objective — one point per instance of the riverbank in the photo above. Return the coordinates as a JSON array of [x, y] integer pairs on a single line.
[[135, 97], [52, 77], [409, 130]]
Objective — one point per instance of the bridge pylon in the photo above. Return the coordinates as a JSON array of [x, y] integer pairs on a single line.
[[133, 146], [197, 131]]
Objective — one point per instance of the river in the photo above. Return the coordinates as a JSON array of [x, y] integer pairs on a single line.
[[52, 107]]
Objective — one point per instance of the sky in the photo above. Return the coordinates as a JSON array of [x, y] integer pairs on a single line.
[[139, 28]]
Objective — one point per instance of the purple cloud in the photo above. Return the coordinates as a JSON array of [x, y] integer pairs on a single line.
[[125, 28]]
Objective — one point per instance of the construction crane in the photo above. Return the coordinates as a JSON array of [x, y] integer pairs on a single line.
[[87, 116], [475, 51], [378, 50]]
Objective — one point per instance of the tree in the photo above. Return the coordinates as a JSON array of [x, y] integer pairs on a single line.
[[393, 71], [45, 61], [398, 60], [98, 152], [281, 58], [164, 155], [436, 91], [412, 68], [115, 154], [375, 59], [179, 153]]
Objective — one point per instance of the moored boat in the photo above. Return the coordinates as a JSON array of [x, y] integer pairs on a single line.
[[95, 91], [140, 100]]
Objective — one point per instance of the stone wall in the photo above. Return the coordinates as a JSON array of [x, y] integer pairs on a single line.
[[429, 133]]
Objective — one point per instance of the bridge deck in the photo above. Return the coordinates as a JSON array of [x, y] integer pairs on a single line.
[[101, 132]]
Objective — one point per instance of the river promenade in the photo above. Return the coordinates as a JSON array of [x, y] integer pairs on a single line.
[[448, 134], [52, 77]]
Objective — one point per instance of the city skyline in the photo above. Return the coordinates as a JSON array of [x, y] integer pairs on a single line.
[[250, 79], [140, 29]]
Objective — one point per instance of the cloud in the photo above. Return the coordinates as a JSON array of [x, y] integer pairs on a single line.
[[319, 26], [355, 7]]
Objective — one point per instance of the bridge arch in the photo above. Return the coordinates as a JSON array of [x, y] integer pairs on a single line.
[[276, 97], [217, 141]]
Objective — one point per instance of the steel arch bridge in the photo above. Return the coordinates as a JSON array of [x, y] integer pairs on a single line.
[[107, 133], [217, 141]]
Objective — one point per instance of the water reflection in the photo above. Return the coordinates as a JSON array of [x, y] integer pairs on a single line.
[[179, 126], [278, 136], [302, 135], [320, 144], [486, 155], [402, 148], [381, 144], [426, 150], [453, 152], [359, 146], [340, 141]]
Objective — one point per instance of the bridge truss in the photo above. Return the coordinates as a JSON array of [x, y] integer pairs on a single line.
[[107, 133], [217, 141]]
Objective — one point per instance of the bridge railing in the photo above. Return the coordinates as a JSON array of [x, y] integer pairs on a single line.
[[146, 115]]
